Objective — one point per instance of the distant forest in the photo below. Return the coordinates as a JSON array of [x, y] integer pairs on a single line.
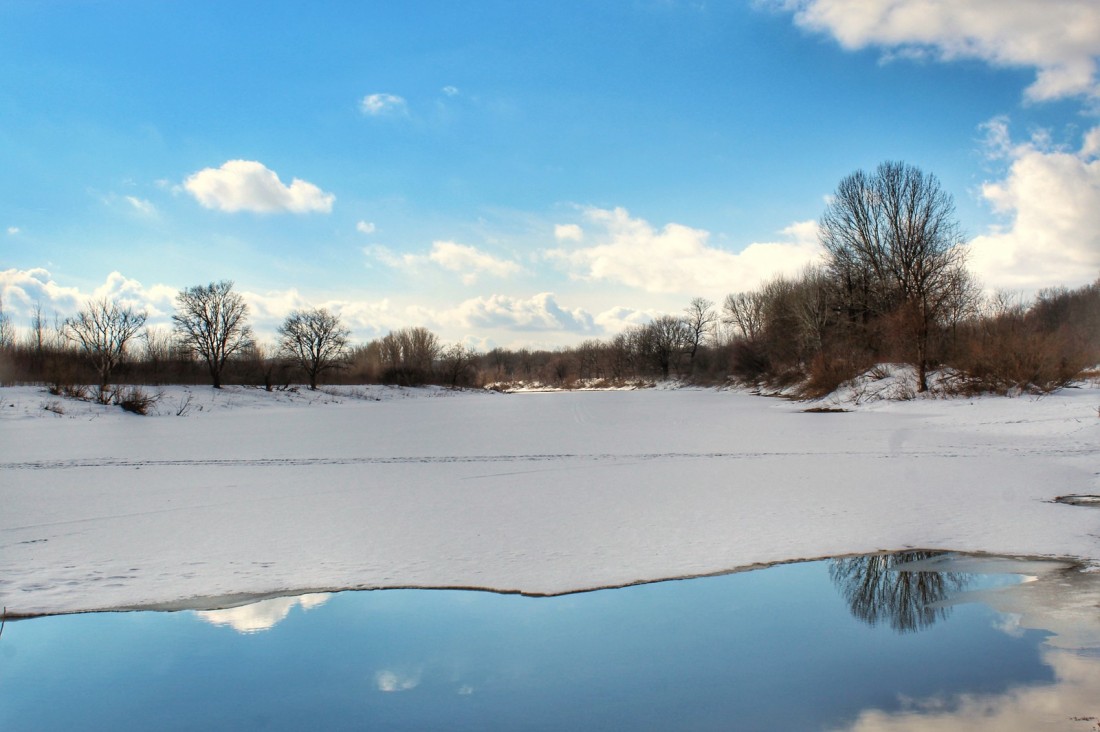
[[893, 287]]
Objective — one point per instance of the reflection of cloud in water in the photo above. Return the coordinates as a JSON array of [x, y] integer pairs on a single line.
[[1074, 694], [1056, 599], [395, 681], [262, 615]]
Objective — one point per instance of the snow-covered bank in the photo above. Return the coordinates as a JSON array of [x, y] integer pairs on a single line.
[[260, 494]]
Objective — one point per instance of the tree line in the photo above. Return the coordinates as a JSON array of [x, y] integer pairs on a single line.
[[893, 286]]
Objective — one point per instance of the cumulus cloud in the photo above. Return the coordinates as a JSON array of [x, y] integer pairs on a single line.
[[540, 313], [247, 185], [1051, 199], [468, 261], [156, 300], [365, 227], [1060, 39], [13, 230], [375, 105], [678, 258], [23, 290]]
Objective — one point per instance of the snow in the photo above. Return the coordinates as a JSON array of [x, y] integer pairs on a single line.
[[253, 494]]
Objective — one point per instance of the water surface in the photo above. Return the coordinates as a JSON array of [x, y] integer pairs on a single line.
[[868, 642]]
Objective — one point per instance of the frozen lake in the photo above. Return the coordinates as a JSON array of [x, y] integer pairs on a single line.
[[913, 641]]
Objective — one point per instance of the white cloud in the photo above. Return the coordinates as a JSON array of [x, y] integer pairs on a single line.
[[157, 301], [619, 318], [470, 261], [365, 227], [451, 91], [142, 206], [679, 259], [246, 185], [262, 615], [540, 312], [1060, 39], [390, 681], [13, 230], [365, 318], [376, 105], [22, 289], [568, 232], [1051, 198]]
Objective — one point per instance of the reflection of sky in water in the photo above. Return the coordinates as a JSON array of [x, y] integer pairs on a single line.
[[772, 649]]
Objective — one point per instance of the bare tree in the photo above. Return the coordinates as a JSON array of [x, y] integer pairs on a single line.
[[456, 363], [621, 356], [699, 322], [314, 340], [744, 312], [407, 355], [37, 334], [210, 321], [663, 341], [7, 329], [587, 354], [813, 307], [102, 330], [892, 238]]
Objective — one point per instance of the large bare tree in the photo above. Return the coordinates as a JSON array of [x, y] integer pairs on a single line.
[[211, 321], [892, 241], [101, 330], [315, 340]]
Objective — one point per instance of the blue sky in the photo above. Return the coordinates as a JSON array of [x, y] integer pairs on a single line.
[[511, 173]]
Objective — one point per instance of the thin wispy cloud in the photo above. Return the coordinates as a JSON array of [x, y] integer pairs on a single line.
[[467, 261], [141, 206], [376, 105]]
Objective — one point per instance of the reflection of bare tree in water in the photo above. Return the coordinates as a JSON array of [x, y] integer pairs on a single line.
[[876, 589]]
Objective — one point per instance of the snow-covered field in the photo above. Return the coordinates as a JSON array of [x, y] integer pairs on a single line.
[[249, 493]]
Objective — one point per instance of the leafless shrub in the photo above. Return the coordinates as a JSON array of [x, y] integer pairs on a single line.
[[54, 406], [825, 374], [184, 406], [135, 399], [76, 391]]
